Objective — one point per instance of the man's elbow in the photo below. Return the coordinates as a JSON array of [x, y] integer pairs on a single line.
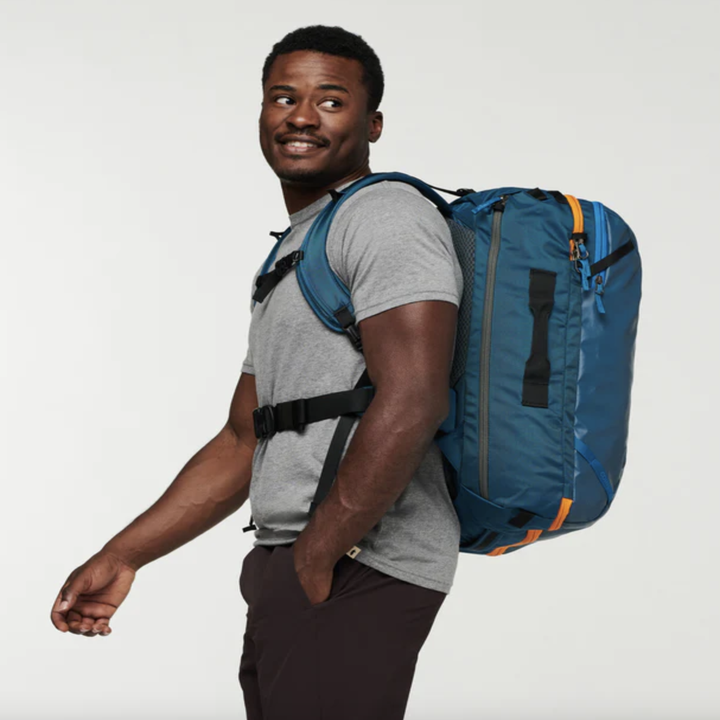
[[415, 407]]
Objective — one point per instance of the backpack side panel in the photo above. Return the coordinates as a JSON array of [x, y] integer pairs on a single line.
[[607, 350]]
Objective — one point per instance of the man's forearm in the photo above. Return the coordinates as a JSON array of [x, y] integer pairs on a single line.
[[392, 438], [213, 484]]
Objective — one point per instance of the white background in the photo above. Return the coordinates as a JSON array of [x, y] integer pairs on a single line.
[[135, 207]]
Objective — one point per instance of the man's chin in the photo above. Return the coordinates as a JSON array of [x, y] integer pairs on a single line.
[[302, 176]]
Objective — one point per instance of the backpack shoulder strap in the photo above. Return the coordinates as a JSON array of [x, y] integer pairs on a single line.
[[326, 294]]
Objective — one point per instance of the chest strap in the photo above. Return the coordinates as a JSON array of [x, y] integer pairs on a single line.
[[295, 414]]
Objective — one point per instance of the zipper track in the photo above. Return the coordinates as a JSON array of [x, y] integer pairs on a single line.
[[484, 399]]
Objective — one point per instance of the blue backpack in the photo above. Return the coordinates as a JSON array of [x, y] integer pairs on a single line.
[[534, 445]]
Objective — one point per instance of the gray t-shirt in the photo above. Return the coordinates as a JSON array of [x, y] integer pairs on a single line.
[[390, 246]]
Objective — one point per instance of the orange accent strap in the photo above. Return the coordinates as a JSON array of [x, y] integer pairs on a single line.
[[565, 504], [532, 536]]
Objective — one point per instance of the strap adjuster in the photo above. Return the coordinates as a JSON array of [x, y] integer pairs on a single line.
[[354, 334], [299, 413], [264, 421]]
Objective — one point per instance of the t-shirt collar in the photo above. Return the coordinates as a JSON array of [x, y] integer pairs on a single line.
[[314, 208]]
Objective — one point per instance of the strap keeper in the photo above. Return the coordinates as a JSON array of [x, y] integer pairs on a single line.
[[299, 413]]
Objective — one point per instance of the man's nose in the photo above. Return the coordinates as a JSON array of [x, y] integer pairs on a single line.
[[304, 114]]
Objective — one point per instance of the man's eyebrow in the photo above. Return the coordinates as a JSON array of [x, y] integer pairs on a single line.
[[323, 86]]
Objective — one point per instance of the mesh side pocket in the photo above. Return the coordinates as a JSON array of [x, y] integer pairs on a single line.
[[464, 243]]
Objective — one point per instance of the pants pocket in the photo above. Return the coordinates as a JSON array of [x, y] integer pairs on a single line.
[[251, 573], [345, 571]]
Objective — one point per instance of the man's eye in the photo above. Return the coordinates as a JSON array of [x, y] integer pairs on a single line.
[[285, 97]]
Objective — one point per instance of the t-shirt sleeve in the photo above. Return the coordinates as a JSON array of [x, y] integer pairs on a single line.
[[248, 366], [391, 248]]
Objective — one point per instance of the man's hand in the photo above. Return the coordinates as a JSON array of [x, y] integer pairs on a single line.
[[214, 483], [316, 582], [91, 595]]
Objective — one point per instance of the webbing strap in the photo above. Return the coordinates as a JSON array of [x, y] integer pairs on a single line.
[[295, 414], [334, 455], [537, 368], [530, 537], [612, 258], [265, 283]]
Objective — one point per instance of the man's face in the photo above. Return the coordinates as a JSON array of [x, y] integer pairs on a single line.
[[334, 119]]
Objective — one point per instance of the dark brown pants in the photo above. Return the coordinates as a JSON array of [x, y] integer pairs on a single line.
[[351, 657]]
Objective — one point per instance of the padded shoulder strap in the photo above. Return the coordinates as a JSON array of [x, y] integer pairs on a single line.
[[326, 294]]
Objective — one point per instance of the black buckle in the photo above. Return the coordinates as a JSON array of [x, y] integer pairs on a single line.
[[264, 421], [354, 334], [284, 264]]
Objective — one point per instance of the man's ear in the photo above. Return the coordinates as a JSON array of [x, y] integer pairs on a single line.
[[375, 126]]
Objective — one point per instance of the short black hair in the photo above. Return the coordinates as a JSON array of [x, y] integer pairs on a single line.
[[334, 40]]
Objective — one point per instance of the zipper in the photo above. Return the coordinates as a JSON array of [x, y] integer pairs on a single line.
[[601, 250], [483, 423]]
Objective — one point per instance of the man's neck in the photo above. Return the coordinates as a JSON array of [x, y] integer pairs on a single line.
[[298, 197]]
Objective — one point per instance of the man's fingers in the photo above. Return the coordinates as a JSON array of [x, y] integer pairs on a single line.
[[68, 596], [74, 620], [75, 585], [58, 620], [56, 617], [102, 626]]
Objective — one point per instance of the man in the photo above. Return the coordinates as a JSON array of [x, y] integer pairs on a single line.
[[328, 635]]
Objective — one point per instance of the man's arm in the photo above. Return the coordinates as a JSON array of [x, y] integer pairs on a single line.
[[212, 485], [408, 351]]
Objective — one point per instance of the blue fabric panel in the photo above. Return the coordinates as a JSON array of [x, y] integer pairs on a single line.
[[469, 474], [448, 425], [322, 289], [477, 514], [597, 467], [607, 352], [528, 445], [503, 539], [451, 444]]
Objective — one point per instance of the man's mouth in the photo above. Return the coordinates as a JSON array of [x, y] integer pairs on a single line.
[[297, 147]]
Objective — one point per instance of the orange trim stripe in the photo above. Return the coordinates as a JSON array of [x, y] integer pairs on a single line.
[[532, 536], [578, 219], [565, 504]]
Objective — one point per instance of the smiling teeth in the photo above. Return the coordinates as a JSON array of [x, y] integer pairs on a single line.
[[295, 143]]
